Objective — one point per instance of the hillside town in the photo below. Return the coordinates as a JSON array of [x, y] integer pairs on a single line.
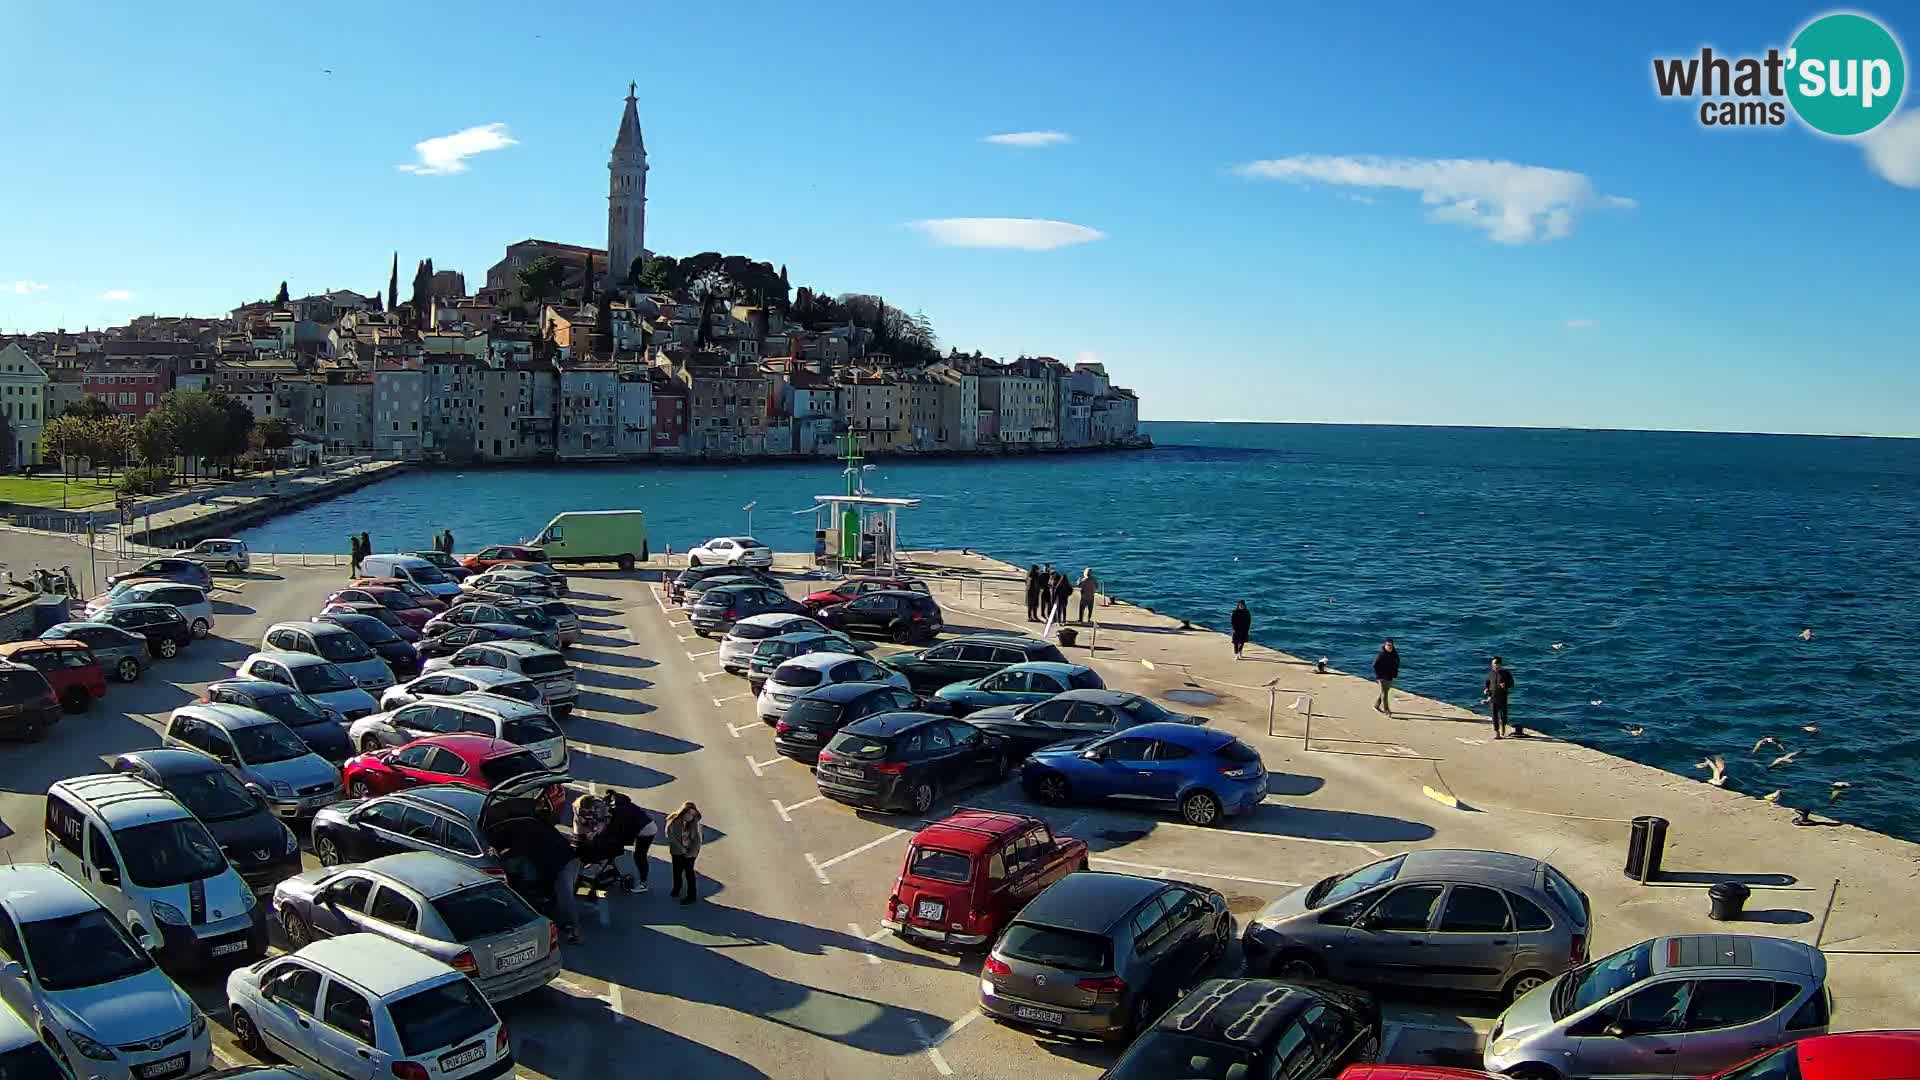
[[574, 353]]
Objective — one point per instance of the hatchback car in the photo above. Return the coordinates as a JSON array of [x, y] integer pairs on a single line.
[[1021, 684], [973, 657], [812, 670], [770, 653], [468, 920], [1256, 1027], [223, 554], [905, 760], [447, 564], [404, 607], [692, 581], [361, 1005], [23, 1054], [28, 705], [1209, 775], [731, 551], [107, 1009], [162, 625], [455, 638], [737, 648], [449, 682], [413, 591], [494, 585], [322, 729], [1857, 1055], [720, 607], [191, 600], [1075, 714], [547, 668], [401, 658], [476, 761], [854, 588], [69, 666], [534, 566], [335, 644], [503, 612], [516, 575], [1675, 1006], [967, 875], [120, 652], [167, 568], [812, 721], [899, 615], [1482, 921], [316, 677], [388, 618], [502, 553], [521, 723], [263, 752], [1102, 954], [258, 844], [464, 824]]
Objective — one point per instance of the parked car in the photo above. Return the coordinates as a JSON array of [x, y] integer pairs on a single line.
[[337, 645], [475, 761], [411, 569], [417, 593], [546, 667], [722, 606], [1256, 1027], [812, 721], [360, 1005], [404, 607], [106, 1009], [122, 652], [1482, 921], [225, 553], [69, 666], [683, 584], [973, 657], [541, 569], [166, 568], [314, 676], [256, 842], [263, 752], [191, 600], [151, 862], [854, 588], [28, 705], [967, 875], [387, 617], [1673, 1006], [467, 920], [402, 659], [1021, 684], [455, 638], [770, 653], [731, 551], [1207, 774], [167, 630], [566, 621], [905, 760], [1856, 1055], [736, 649], [518, 722], [898, 615], [466, 680], [813, 670], [499, 553], [461, 823], [505, 611], [1410, 1072], [446, 563], [23, 1054], [496, 586], [1103, 954], [513, 574], [1075, 714], [574, 536], [323, 729]]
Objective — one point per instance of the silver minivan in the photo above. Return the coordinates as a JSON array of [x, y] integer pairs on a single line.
[[337, 644], [314, 676], [265, 753]]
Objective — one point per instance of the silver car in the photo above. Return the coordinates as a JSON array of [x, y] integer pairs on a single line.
[[1482, 921], [463, 918], [518, 722], [122, 653], [467, 680], [262, 751], [336, 644], [1676, 1006], [546, 667]]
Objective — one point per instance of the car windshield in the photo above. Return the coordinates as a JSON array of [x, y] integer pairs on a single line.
[[549, 663], [1158, 1053], [344, 647], [214, 795], [796, 675], [814, 713], [481, 911], [395, 599], [30, 1062], [1055, 948], [530, 616], [321, 679], [371, 631], [264, 744], [168, 853], [750, 632], [1340, 886], [1602, 979], [518, 690], [428, 575], [84, 949], [529, 729], [295, 709], [1143, 711], [443, 1015], [499, 770], [940, 865], [859, 747]]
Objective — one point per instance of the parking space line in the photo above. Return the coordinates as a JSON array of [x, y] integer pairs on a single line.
[[784, 811], [698, 655], [933, 1050], [872, 957], [720, 701], [757, 766], [705, 675], [878, 934], [954, 1028], [868, 846], [817, 871], [1176, 871], [735, 729]]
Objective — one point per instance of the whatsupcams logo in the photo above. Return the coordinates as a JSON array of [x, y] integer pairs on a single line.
[[1842, 75]]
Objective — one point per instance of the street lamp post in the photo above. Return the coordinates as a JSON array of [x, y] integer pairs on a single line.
[[749, 509]]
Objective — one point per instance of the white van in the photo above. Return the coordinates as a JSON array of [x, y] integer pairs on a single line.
[[410, 568], [155, 867]]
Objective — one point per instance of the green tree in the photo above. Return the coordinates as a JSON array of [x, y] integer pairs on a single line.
[[91, 408], [65, 437], [154, 437], [540, 280], [280, 298], [113, 440]]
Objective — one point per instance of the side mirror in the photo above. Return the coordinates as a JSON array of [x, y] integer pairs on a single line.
[[259, 795], [1095, 754], [1616, 1030], [108, 875], [145, 939]]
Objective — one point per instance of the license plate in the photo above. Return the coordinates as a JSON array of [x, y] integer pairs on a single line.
[[803, 735], [518, 958], [165, 1068], [930, 909], [229, 948], [460, 1058], [1041, 1016]]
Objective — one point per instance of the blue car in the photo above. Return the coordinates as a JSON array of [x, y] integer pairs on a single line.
[[1019, 684], [1208, 774]]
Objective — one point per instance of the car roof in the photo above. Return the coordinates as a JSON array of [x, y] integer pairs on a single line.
[[171, 761], [464, 801], [974, 830], [139, 605], [141, 584], [326, 618], [433, 875], [914, 593], [734, 585], [1115, 698], [1506, 868], [519, 648], [400, 559], [842, 692], [772, 618], [890, 723], [1198, 738], [1861, 1055], [1013, 639], [310, 626], [471, 747], [69, 626], [290, 659], [1051, 667], [1237, 1012], [123, 801], [1091, 901], [820, 659], [14, 648], [261, 687], [36, 891], [375, 964], [1739, 952], [492, 704], [1409, 1072], [228, 716], [484, 676]]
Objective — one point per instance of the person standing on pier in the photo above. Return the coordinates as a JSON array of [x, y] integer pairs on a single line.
[[366, 547], [1089, 588], [1035, 584], [449, 537], [1386, 668], [1062, 595], [355, 554], [1242, 622], [683, 842], [1498, 685]]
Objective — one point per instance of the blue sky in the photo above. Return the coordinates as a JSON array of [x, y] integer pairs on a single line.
[[185, 159]]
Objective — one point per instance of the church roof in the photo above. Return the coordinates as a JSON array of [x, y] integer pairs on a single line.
[[629, 138]]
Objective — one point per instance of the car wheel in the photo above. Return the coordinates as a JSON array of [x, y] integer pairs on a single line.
[[902, 634], [1298, 964], [167, 648], [129, 669], [326, 851], [1520, 985], [1369, 1051], [1139, 1019], [298, 933], [245, 1035], [368, 744], [1053, 788], [359, 789], [626, 564], [923, 796], [1200, 808], [1222, 939], [201, 628], [693, 560], [233, 567], [76, 699]]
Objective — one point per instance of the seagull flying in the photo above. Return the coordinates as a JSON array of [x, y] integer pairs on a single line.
[[1634, 730], [326, 71], [1717, 765], [1766, 741], [1558, 645], [1806, 634], [1772, 796], [1783, 759], [1838, 789], [1811, 729]]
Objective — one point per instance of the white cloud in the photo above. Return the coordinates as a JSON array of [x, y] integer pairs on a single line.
[[1893, 149], [1024, 234], [1579, 324], [449, 153], [1511, 203], [27, 288], [118, 296], [1029, 138]]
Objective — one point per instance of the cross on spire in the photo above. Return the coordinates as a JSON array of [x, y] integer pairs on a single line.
[[630, 89]]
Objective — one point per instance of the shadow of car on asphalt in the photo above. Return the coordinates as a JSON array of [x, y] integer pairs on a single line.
[[588, 731]]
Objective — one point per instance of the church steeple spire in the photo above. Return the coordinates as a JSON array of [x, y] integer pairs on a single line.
[[627, 194]]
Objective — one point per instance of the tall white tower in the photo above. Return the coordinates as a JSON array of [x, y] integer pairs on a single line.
[[626, 194]]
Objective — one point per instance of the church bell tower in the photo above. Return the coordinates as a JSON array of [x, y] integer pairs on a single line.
[[626, 194]]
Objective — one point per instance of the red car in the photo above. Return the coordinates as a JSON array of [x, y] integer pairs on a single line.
[[69, 667], [474, 761], [1858, 1055], [387, 616], [489, 557], [419, 595], [853, 588], [968, 874], [1410, 1072], [404, 607]]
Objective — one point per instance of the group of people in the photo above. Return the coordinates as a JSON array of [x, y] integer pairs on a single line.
[[359, 546], [611, 831], [443, 541], [1495, 690], [1049, 591]]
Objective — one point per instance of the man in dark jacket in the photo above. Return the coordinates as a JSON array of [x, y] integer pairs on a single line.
[[1499, 684], [552, 864], [1061, 594], [1386, 668], [1242, 622], [1035, 584]]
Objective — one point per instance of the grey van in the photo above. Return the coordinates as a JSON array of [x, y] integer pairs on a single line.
[[264, 752]]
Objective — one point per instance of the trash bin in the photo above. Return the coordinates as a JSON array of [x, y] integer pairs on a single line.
[[1068, 635], [1729, 899], [1645, 844]]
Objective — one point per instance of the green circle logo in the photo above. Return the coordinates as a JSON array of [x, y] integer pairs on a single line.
[[1846, 74]]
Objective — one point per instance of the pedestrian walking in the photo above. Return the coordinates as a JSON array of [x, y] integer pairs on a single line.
[[449, 547], [1499, 684], [366, 545], [1035, 583], [355, 554], [1242, 622], [632, 824], [1386, 668], [1062, 595], [1089, 588], [683, 843]]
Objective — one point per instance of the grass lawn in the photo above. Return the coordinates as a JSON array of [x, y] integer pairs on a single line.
[[45, 491]]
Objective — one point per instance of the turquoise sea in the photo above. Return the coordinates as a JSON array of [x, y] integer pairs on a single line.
[[1632, 579]]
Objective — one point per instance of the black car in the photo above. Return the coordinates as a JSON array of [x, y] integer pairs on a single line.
[[904, 760], [723, 605], [685, 581], [403, 658], [896, 614], [1074, 714], [454, 822], [456, 638], [1256, 1027], [322, 729], [502, 612], [263, 850], [166, 630], [28, 706], [167, 568], [972, 657], [819, 715]]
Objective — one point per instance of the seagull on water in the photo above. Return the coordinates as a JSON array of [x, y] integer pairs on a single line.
[[1811, 729], [1783, 759], [1806, 634], [1596, 702], [1766, 741], [1558, 645], [1634, 730], [1717, 765]]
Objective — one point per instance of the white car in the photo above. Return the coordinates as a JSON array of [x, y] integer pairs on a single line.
[[731, 551], [360, 1005], [109, 1010], [803, 673], [736, 649], [517, 722], [22, 1054], [448, 682], [317, 677], [190, 599]]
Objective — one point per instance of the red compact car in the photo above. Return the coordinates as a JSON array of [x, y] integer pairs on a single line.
[[1858, 1055], [968, 874], [474, 761], [404, 607], [853, 588], [69, 666], [488, 557]]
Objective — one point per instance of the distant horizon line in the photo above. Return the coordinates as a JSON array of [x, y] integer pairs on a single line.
[[1537, 427]]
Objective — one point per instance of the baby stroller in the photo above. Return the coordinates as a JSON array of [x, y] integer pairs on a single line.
[[597, 846]]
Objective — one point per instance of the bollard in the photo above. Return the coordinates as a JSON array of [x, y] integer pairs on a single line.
[[1727, 901]]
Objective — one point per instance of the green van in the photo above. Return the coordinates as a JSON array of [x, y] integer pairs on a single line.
[[615, 536]]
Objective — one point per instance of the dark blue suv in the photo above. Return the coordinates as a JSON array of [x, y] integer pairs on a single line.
[[1208, 774]]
